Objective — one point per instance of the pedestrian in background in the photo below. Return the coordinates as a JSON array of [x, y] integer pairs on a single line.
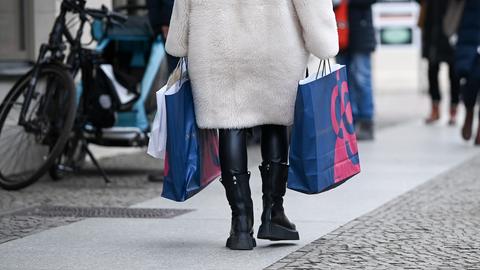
[[357, 58], [437, 49], [467, 60], [244, 62], [160, 13]]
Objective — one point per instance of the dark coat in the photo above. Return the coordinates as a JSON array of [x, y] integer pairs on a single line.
[[435, 45], [362, 33], [159, 13], [467, 53]]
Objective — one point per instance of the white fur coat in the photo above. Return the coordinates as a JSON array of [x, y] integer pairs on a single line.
[[246, 57]]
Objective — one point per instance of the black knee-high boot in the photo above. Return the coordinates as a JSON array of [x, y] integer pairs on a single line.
[[274, 171], [239, 197], [235, 179], [275, 224]]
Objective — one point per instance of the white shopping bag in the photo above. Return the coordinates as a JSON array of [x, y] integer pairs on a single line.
[[158, 136]]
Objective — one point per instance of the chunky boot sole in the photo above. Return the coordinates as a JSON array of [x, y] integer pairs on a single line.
[[274, 232], [241, 241]]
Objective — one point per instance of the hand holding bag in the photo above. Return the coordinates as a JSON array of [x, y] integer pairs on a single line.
[[323, 148]]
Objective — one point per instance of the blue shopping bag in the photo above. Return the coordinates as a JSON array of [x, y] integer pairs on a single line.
[[323, 147], [191, 159]]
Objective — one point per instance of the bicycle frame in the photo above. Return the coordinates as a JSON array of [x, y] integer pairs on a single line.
[[53, 51]]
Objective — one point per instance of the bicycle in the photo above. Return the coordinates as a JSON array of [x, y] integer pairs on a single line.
[[41, 113]]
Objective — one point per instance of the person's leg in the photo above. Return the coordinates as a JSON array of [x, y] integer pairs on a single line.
[[477, 139], [473, 93], [361, 91], [469, 96], [233, 151], [454, 93], [345, 59], [433, 84], [274, 171], [434, 91], [362, 73], [274, 144], [475, 90], [235, 179]]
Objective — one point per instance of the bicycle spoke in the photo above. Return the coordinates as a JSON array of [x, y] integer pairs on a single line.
[[10, 128], [11, 116], [6, 135], [21, 164], [23, 159], [15, 144], [13, 135], [11, 161], [15, 162], [14, 103]]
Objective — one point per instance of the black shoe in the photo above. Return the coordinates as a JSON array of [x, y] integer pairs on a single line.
[[275, 224], [365, 131], [239, 197]]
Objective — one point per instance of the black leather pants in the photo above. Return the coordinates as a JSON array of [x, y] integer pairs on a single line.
[[233, 147], [274, 143]]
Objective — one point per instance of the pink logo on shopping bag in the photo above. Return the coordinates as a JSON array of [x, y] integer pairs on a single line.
[[346, 151]]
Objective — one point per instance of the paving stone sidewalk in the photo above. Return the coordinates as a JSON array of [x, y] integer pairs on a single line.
[[86, 188], [435, 226]]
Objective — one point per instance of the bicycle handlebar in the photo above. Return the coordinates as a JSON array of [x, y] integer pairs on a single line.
[[118, 17], [78, 6], [105, 13]]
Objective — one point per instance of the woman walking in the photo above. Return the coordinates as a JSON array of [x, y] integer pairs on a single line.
[[245, 59], [467, 57], [437, 49]]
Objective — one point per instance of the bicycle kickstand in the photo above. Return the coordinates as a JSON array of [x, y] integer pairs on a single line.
[[97, 165]]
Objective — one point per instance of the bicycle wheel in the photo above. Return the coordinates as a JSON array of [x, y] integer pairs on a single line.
[[28, 149]]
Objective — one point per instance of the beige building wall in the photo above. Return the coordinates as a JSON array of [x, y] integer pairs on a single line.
[[26, 24], [39, 22], [10, 23]]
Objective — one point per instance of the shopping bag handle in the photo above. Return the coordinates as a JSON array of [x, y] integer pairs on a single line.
[[323, 65], [181, 61], [177, 74]]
